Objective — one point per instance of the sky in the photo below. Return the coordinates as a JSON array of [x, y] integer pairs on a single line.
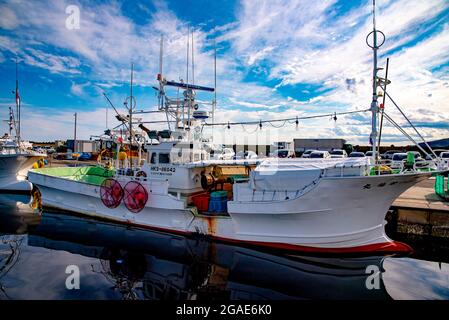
[[275, 59]]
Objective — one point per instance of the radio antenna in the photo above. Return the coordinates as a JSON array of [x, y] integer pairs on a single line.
[[193, 62], [374, 105]]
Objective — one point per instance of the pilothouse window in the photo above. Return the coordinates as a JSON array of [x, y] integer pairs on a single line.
[[164, 158], [153, 158]]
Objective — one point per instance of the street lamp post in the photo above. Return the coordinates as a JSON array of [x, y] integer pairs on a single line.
[[74, 136]]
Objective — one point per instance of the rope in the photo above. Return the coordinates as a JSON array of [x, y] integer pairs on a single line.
[[277, 127], [243, 127]]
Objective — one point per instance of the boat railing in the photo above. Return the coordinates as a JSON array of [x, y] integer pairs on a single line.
[[382, 167]]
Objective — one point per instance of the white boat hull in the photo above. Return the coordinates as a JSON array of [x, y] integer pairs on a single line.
[[352, 219], [13, 171]]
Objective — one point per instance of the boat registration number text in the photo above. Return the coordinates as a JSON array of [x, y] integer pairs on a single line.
[[163, 170]]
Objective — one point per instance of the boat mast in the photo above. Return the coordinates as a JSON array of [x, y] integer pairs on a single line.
[[130, 108], [160, 77], [161, 95], [214, 105], [374, 106], [11, 121], [17, 105], [187, 83]]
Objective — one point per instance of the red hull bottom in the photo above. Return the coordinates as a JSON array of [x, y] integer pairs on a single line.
[[379, 248], [382, 248]]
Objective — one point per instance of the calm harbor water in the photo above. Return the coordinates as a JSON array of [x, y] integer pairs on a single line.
[[118, 262]]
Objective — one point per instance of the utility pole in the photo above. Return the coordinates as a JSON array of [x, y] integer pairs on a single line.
[[74, 135]]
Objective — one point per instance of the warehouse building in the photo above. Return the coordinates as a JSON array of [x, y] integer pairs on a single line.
[[302, 145]]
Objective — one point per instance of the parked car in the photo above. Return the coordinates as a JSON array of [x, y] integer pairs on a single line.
[[306, 154], [39, 150], [421, 162], [444, 155], [84, 156], [61, 156], [284, 153], [369, 153], [438, 152], [389, 154], [225, 154], [356, 154], [246, 155], [398, 160], [338, 153], [228, 153], [320, 154]]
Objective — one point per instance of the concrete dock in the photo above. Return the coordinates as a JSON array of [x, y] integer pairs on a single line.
[[420, 211]]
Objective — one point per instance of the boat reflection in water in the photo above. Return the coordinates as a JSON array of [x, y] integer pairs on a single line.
[[118, 262], [18, 212]]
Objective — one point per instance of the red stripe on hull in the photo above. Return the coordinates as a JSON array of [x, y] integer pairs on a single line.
[[384, 247]]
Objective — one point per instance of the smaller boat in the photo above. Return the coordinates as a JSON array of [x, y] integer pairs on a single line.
[[16, 156], [15, 161]]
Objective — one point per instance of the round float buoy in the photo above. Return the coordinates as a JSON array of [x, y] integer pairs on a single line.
[[136, 196], [111, 193], [122, 156]]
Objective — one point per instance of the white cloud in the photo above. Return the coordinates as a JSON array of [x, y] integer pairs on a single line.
[[252, 58], [9, 19], [52, 62], [78, 88]]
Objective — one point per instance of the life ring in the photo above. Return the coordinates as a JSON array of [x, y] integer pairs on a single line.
[[111, 193], [136, 196]]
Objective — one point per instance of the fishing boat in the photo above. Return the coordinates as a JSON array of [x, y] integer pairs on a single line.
[[316, 205]]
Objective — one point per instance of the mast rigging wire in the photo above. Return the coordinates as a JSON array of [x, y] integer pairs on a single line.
[[410, 123], [394, 123]]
